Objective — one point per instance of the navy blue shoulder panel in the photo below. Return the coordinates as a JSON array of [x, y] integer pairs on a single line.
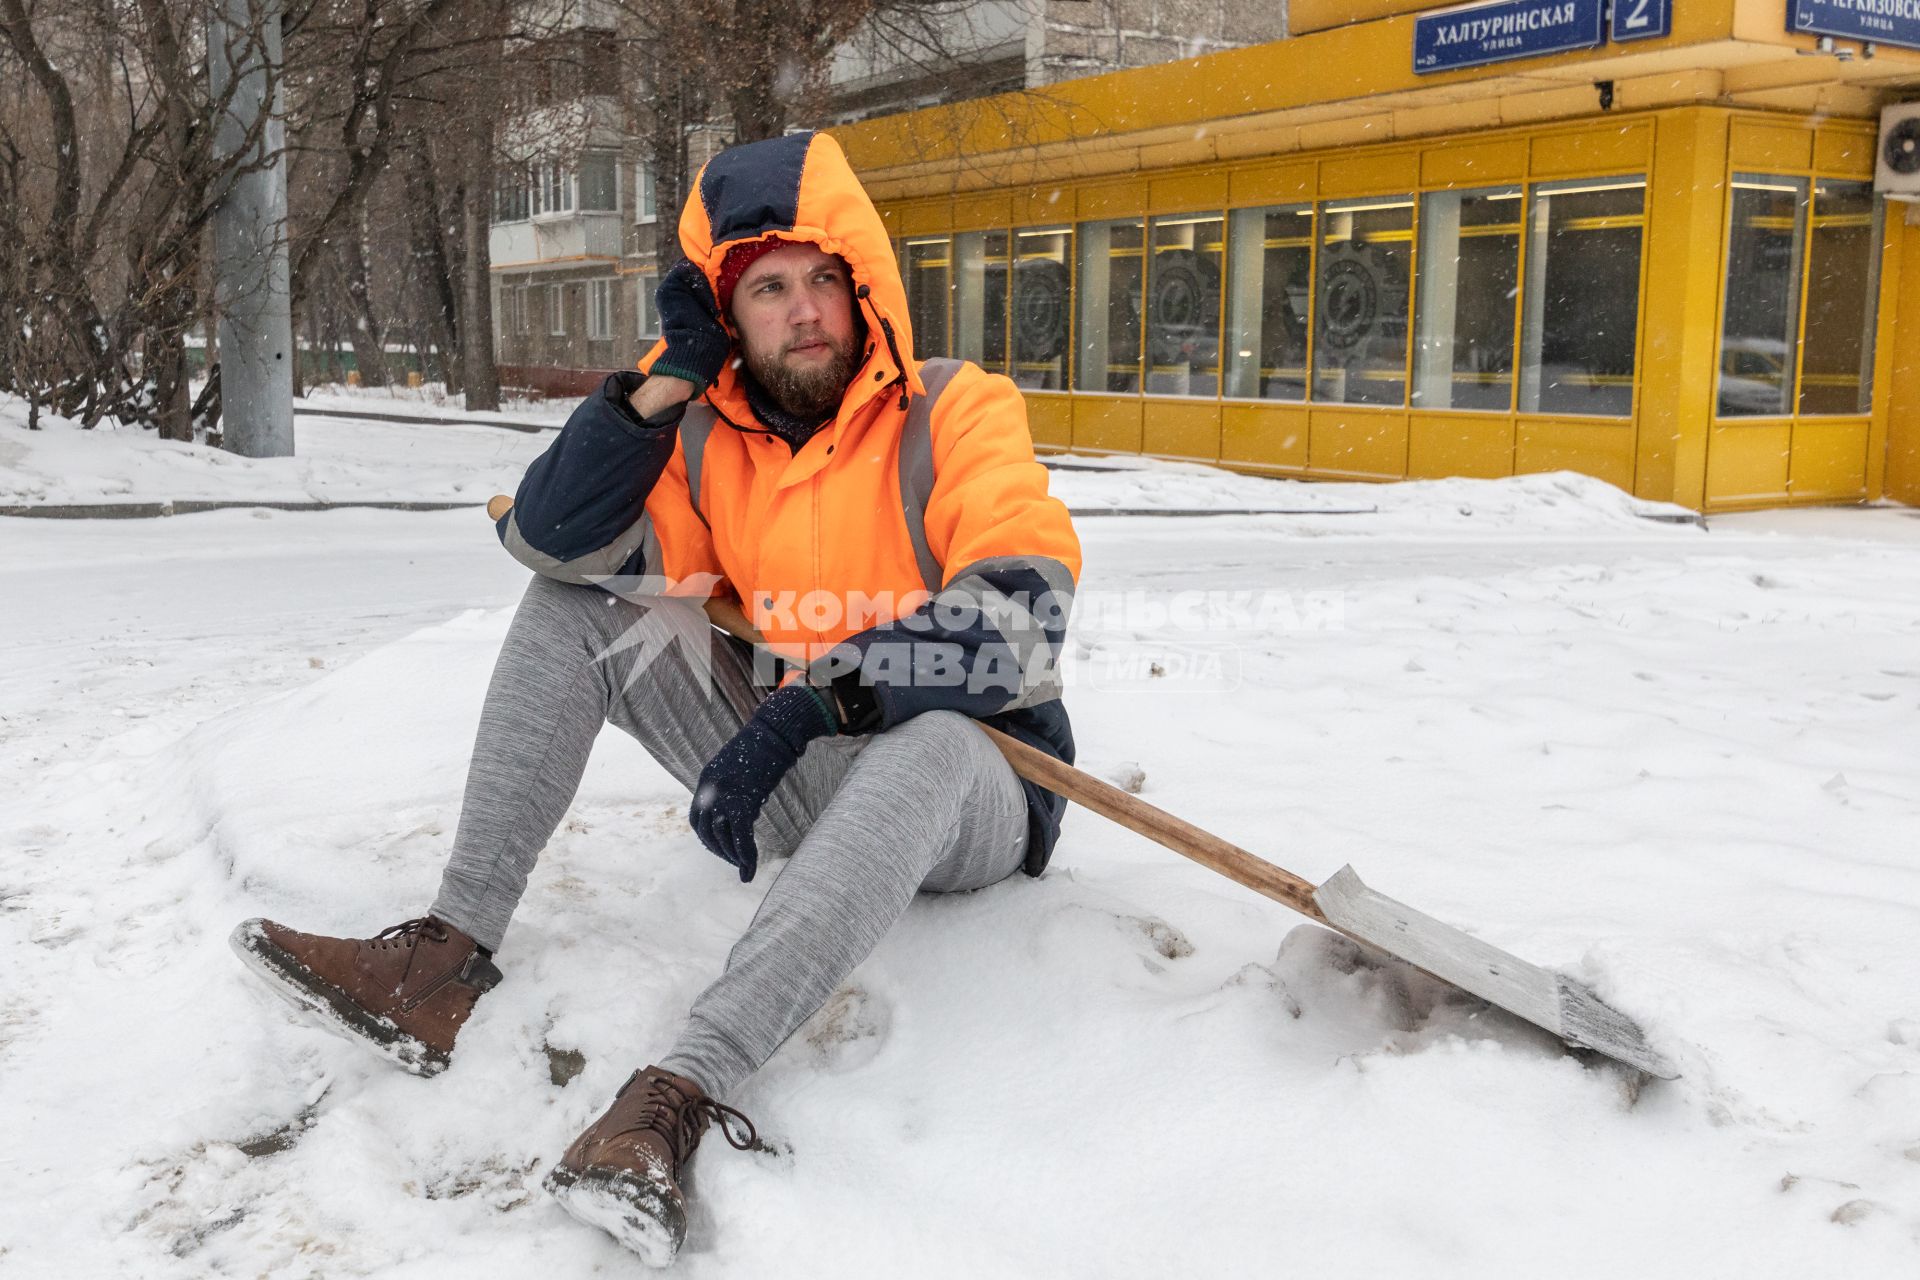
[[753, 189], [593, 481]]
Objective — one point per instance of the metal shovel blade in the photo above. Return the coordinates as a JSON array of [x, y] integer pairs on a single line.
[[1540, 996]]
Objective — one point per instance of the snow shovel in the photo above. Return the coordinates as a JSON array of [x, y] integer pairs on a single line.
[[1540, 996], [1549, 1001]]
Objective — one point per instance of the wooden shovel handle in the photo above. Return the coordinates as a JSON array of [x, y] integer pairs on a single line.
[[1135, 814], [1087, 791]]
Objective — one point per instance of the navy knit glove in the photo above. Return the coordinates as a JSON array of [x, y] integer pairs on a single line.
[[697, 343], [734, 786]]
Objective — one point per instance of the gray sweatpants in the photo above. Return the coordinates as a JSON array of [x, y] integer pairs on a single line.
[[929, 805]]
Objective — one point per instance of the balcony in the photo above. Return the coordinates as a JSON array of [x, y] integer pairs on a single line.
[[556, 238]]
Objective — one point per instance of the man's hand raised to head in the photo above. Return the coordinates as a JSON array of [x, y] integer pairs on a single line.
[[697, 341]]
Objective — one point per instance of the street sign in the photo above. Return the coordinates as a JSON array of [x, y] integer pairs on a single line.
[[1894, 22], [1641, 19], [1476, 34]]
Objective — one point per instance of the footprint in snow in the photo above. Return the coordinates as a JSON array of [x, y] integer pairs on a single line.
[[1163, 941], [193, 1200], [495, 1183], [282, 1137], [1851, 1212], [848, 1030], [1168, 941]]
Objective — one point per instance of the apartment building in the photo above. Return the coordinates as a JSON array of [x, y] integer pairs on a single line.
[[577, 233]]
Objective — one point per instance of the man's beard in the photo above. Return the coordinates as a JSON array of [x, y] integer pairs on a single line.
[[811, 394]]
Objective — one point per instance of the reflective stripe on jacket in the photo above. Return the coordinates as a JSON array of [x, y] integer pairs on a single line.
[[911, 538]]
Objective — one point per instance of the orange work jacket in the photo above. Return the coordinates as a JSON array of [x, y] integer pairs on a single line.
[[911, 539]]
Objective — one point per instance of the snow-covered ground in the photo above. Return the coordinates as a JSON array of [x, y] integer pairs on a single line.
[[345, 460], [429, 401], [337, 460], [1676, 762]]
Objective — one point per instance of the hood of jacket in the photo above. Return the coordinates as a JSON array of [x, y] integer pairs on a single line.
[[800, 187]]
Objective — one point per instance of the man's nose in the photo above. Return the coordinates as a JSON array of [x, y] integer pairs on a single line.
[[805, 309]]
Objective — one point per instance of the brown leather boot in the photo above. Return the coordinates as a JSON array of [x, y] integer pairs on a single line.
[[405, 992], [623, 1173]]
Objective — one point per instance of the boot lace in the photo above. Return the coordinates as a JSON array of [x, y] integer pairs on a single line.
[[408, 932], [680, 1119]]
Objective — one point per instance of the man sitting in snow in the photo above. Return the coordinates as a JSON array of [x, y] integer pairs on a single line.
[[885, 526]]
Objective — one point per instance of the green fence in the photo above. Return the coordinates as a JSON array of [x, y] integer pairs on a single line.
[[315, 365]]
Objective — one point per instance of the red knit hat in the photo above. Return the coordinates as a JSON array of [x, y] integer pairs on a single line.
[[735, 264]]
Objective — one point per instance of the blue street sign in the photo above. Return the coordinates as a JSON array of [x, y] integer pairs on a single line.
[[1473, 35], [1641, 19], [1881, 21]]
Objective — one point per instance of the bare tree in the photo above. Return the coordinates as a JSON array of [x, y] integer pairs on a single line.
[[114, 177], [351, 64], [400, 114], [432, 261], [752, 69], [428, 87]]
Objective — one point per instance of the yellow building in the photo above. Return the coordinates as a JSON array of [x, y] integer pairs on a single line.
[[1658, 261]]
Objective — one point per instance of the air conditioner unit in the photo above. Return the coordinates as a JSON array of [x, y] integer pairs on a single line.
[[1896, 173]]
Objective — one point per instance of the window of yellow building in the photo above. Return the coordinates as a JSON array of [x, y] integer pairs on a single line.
[[1042, 307], [1109, 300], [1270, 282], [1580, 310], [1761, 325], [1469, 285], [1801, 290], [929, 280], [1183, 305], [1519, 298], [1803, 260], [1843, 286], [980, 264], [1360, 333]]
